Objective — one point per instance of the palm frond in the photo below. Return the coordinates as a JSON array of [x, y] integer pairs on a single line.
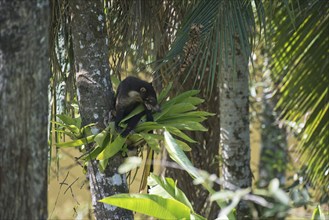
[[222, 23], [139, 30], [299, 47]]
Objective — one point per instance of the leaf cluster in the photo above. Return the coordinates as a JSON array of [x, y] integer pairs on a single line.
[[178, 114], [166, 201]]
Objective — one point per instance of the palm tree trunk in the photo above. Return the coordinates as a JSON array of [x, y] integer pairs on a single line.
[[234, 124], [96, 97], [273, 157], [24, 80]]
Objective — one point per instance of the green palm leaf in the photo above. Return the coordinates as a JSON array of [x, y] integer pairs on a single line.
[[222, 23], [299, 47]]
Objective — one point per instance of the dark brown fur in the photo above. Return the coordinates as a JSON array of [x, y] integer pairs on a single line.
[[131, 93]]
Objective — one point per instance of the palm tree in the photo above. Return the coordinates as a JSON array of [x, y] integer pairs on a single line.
[[215, 59], [305, 23], [221, 49]]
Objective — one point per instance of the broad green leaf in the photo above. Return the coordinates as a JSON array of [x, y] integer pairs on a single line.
[[134, 138], [68, 133], [87, 129], [148, 126], [188, 125], [194, 100], [179, 133], [104, 138], [152, 140], [185, 95], [112, 148], [197, 116], [318, 214], [58, 123], [181, 108], [93, 154], [99, 139], [76, 143], [181, 97], [178, 155], [200, 113], [183, 145], [152, 205], [171, 127], [163, 112], [69, 120], [136, 111], [195, 216], [167, 188], [74, 129], [115, 81], [74, 132], [164, 93], [180, 118]]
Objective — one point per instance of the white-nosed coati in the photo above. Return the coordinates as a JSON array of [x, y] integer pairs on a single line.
[[131, 93]]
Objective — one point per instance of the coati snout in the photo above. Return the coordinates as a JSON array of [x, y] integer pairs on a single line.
[[131, 93]]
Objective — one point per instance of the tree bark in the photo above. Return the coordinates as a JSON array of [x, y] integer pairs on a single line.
[[24, 79], [234, 124], [95, 97]]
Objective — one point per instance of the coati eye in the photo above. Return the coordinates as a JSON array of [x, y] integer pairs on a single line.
[[143, 90]]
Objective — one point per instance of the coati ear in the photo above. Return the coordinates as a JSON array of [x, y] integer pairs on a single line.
[[142, 90]]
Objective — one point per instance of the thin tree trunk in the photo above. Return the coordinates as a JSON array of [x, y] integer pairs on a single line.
[[273, 157], [24, 79], [95, 97], [234, 124]]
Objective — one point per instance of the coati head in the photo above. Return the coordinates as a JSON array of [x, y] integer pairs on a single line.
[[132, 92], [149, 98], [140, 91]]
